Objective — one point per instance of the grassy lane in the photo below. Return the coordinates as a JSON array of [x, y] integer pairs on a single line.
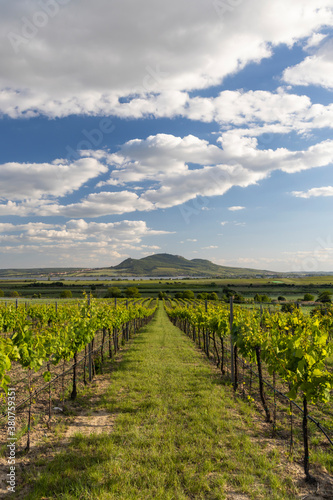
[[179, 434]]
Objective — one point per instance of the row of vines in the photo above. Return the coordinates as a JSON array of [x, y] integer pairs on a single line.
[[294, 348], [42, 343]]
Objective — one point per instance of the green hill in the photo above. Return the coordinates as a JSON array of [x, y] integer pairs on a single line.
[[174, 265]]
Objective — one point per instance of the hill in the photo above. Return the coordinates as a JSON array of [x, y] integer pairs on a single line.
[[174, 265]]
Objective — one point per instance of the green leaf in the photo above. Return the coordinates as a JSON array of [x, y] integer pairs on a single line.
[[47, 376]]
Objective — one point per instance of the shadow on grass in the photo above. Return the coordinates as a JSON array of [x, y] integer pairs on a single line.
[[70, 471]]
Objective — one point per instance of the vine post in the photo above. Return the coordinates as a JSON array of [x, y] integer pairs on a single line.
[[27, 448], [74, 391], [50, 401], [231, 342], [310, 479], [261, 385]]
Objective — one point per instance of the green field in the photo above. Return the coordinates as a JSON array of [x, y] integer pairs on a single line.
[[178, 433], [290, 288]]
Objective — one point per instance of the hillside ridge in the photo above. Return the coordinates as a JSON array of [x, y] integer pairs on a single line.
[[165, 264]]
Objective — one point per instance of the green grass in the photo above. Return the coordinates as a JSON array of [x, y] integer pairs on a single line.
[[179, 434]]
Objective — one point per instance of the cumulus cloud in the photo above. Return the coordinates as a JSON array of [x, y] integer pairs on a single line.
[[261, 112], [22, 181], [76, 61], [173, 170], [79, 241], [158, 157], [258, 111], [120, 232], [99, 204], [316, 69], [314, 40], [164, 160], [94, 205], [314, 192]]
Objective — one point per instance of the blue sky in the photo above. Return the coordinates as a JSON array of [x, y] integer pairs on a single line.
[[200, 128]]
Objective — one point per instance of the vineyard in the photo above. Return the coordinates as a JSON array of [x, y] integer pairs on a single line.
[[280, 357], [280, 363], [48, 350]]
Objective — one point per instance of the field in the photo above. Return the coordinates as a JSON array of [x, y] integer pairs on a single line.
[[165, 423], [290, 288]]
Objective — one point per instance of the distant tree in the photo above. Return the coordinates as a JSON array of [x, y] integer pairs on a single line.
[[238, 297], [202, 296], [281, 298], [66, 294], [308, 297], [112, 292], [2, 293], [325, 296], [288, 308], [179, 295], [261, 298], [132, 292], [228, 292], [162, 295], [14, 294], [188, 294], [212, 296]]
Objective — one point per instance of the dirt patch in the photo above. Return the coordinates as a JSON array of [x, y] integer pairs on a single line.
[[233, 495], [95, 423], [47, 441]]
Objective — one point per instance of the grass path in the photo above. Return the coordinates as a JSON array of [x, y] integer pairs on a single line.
[[178, 434]]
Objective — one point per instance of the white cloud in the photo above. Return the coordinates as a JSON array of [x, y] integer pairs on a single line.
[[234, 222], [261, 113], [163, 159], [78, 241], [314, 192], [316, 69], [161, 162], [99, 204], [24, 181], [123, 232], [314, 40], [77, 61], [236, 208], [158, 158]]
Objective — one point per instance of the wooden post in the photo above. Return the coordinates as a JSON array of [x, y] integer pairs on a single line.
[[90, 362], [231, 342], [74, 391]]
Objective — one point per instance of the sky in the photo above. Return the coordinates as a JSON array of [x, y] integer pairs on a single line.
[[199, 128]]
